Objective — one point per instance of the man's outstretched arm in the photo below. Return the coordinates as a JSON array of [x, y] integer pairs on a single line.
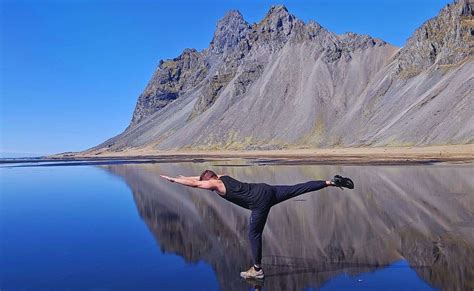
[[209, 185], [196, 178]]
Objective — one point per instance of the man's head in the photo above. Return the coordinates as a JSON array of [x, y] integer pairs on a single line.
[[207, 175]]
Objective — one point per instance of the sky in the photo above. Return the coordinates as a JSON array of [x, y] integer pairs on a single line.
[[71, 70]]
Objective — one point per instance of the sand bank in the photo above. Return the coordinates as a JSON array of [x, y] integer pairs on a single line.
[[451, 153]]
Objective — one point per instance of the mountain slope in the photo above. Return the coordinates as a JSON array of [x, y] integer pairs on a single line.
[[281, 83]]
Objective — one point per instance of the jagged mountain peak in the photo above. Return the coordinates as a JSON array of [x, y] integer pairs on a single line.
[[277, 10], [277, 18], [230, 30], [233, 15]]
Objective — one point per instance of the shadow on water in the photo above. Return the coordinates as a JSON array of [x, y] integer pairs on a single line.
[[421, 214]]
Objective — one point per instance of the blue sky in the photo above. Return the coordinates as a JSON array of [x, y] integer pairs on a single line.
[[71, 71]]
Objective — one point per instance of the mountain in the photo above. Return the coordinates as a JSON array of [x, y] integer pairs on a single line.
[[282, 83]]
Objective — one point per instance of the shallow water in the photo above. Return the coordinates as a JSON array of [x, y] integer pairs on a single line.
[[120, 226]]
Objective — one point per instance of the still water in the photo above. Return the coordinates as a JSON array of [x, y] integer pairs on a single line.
[[121, 227]]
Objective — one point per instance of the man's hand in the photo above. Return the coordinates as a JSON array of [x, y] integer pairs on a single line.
[[168, 178]]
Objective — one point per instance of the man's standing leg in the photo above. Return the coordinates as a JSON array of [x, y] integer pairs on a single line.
[[258, 218]]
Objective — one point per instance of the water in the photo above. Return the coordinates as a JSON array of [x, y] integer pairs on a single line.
[[120, 226]]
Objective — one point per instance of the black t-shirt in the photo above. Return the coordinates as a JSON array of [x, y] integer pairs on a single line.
[[247, 195]]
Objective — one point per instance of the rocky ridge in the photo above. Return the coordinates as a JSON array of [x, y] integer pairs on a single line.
[[444, 40]]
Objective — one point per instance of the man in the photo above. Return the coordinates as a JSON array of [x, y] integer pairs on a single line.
[[257, 197]]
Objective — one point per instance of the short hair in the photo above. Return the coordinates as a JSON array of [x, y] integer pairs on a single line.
[[207, 175]]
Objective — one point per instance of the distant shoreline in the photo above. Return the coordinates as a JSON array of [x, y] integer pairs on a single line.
[[378, 155]]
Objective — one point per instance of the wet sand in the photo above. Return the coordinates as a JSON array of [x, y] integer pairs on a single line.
[[378, 155]]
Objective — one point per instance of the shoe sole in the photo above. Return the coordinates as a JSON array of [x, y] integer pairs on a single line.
[[252, 277]]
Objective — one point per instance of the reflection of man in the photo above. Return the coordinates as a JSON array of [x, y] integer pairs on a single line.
[[259, 198]]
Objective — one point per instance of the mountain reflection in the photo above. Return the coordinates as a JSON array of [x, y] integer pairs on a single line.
[[422, 214]]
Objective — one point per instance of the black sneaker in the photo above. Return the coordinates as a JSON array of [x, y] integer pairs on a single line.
[[340, 181]]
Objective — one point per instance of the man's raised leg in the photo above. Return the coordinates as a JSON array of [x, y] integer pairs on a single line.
[[285, 192]]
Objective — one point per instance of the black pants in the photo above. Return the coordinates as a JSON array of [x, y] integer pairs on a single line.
[[259, 215]]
